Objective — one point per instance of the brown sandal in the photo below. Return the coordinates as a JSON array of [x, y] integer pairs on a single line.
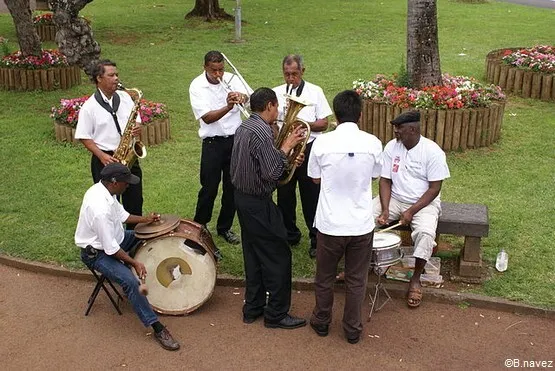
[[414, 297]]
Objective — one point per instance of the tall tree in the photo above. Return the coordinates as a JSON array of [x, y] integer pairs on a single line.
[[27, 36], [209, 9], [74, 35], [423, 65]]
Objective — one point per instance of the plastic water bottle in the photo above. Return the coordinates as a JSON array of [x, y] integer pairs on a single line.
[[502, 261]]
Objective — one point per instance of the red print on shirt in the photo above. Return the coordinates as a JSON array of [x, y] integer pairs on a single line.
[[396, 164]]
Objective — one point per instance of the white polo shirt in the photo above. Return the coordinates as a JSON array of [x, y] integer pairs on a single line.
[[411, 170], [345, 160], [101, 220], [206, 97], [311, 93], [96, 123]]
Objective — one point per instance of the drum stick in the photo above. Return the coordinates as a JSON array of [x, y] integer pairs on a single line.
[[143, 288], [389, 228]]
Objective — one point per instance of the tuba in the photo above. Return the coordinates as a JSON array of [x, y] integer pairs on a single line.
[[290, 123], [130, 148]]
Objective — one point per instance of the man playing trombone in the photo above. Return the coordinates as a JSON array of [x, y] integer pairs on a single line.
[[217, 99]]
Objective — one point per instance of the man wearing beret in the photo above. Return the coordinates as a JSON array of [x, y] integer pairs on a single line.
[[413, 170], [105, 244]]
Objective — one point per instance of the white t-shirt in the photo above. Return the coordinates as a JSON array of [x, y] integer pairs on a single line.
[[411, 170], [206, 97], [345, 160], [311, 93], [96, 123], [101, 220]]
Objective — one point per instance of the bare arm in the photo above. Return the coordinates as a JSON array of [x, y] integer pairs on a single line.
[[232, 99], [319, 125], [423, 201], [385, 197], [91, 146]]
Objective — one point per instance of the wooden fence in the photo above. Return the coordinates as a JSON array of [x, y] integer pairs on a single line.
[[526, 84], [453, 129], [44, 79], [154, 133], [47, 32]]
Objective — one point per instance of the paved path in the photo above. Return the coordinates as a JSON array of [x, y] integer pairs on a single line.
[[537, 3], [43, 327]]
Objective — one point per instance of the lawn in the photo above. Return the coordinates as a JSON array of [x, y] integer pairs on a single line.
[[341, 40]]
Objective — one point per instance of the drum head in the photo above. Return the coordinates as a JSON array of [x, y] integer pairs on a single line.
[[179, 278], [385, 240]]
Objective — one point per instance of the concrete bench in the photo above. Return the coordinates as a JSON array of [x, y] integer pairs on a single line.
[[470, 221]]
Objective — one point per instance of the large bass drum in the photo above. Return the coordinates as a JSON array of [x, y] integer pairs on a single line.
[[181, 276]]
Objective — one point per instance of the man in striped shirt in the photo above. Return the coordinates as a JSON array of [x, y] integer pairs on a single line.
[[256, 167]]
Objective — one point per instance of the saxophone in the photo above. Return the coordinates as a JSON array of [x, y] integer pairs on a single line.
[[290, 122], [130, 148]]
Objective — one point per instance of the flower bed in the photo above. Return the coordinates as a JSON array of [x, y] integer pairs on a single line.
[[47, 72], [154, 116], [526, 72], [45, 26], [461, 114]]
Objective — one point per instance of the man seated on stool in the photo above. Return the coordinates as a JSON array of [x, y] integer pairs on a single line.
[[105, 244], [414, 168]]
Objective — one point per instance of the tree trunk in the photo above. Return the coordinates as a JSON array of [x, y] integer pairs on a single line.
[[27, 36], [73, 34], [423, 65], [209, 9]]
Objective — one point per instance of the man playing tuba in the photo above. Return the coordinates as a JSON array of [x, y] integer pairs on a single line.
[[316, 115], [101, 124]]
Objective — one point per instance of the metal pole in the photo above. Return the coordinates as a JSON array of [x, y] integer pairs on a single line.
[[238, 22]]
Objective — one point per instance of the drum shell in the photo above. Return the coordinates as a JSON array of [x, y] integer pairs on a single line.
[[179, 278], [386, 250]]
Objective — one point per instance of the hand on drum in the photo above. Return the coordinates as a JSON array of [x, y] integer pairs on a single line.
[[382, 218], [140, 269], [152, 217]]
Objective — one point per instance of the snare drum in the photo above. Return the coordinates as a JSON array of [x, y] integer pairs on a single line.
[[386, 250]]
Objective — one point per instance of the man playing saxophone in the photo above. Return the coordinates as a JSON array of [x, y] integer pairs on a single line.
[[316, 115], [102, 121], [216, 97]]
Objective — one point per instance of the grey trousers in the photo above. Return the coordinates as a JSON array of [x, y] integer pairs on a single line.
[[357, 251]]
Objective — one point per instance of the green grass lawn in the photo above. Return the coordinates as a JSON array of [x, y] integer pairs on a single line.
[[342, 40]]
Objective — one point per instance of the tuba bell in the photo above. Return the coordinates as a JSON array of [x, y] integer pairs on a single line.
[[290, 123]]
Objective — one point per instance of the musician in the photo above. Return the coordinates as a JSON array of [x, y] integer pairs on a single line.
[[317, 117], [105, 245], [256, 167], [414, 168], [344, 161], [102, 120], [219, 116]]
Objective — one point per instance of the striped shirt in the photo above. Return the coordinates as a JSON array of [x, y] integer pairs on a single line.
[[256, 164]]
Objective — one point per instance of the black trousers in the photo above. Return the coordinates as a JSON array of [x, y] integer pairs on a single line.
[[132, 198], [267, 257], [214, 168], [287, 201]]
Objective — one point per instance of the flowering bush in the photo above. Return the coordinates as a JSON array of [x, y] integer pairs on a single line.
[[67, 112], [49, 58], [456, 92], [44, 18], [540, 58]]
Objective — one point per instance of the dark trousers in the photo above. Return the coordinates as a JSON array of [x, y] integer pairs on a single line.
[[357, 251], [267, 257], [214, 167], [287, 202], [132, 198]]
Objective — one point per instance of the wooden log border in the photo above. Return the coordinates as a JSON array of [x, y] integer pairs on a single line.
[[452, 130], [49, 79], [47, 32], [154, 133], [523, 83]]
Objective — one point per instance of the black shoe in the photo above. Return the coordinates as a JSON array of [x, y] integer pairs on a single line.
[[353, 340], [250, 319], [288, 322], [166, 340], [321, 330], [230, 237], [312, 252]]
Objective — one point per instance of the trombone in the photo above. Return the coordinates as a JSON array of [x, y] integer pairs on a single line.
[[228, 89]]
